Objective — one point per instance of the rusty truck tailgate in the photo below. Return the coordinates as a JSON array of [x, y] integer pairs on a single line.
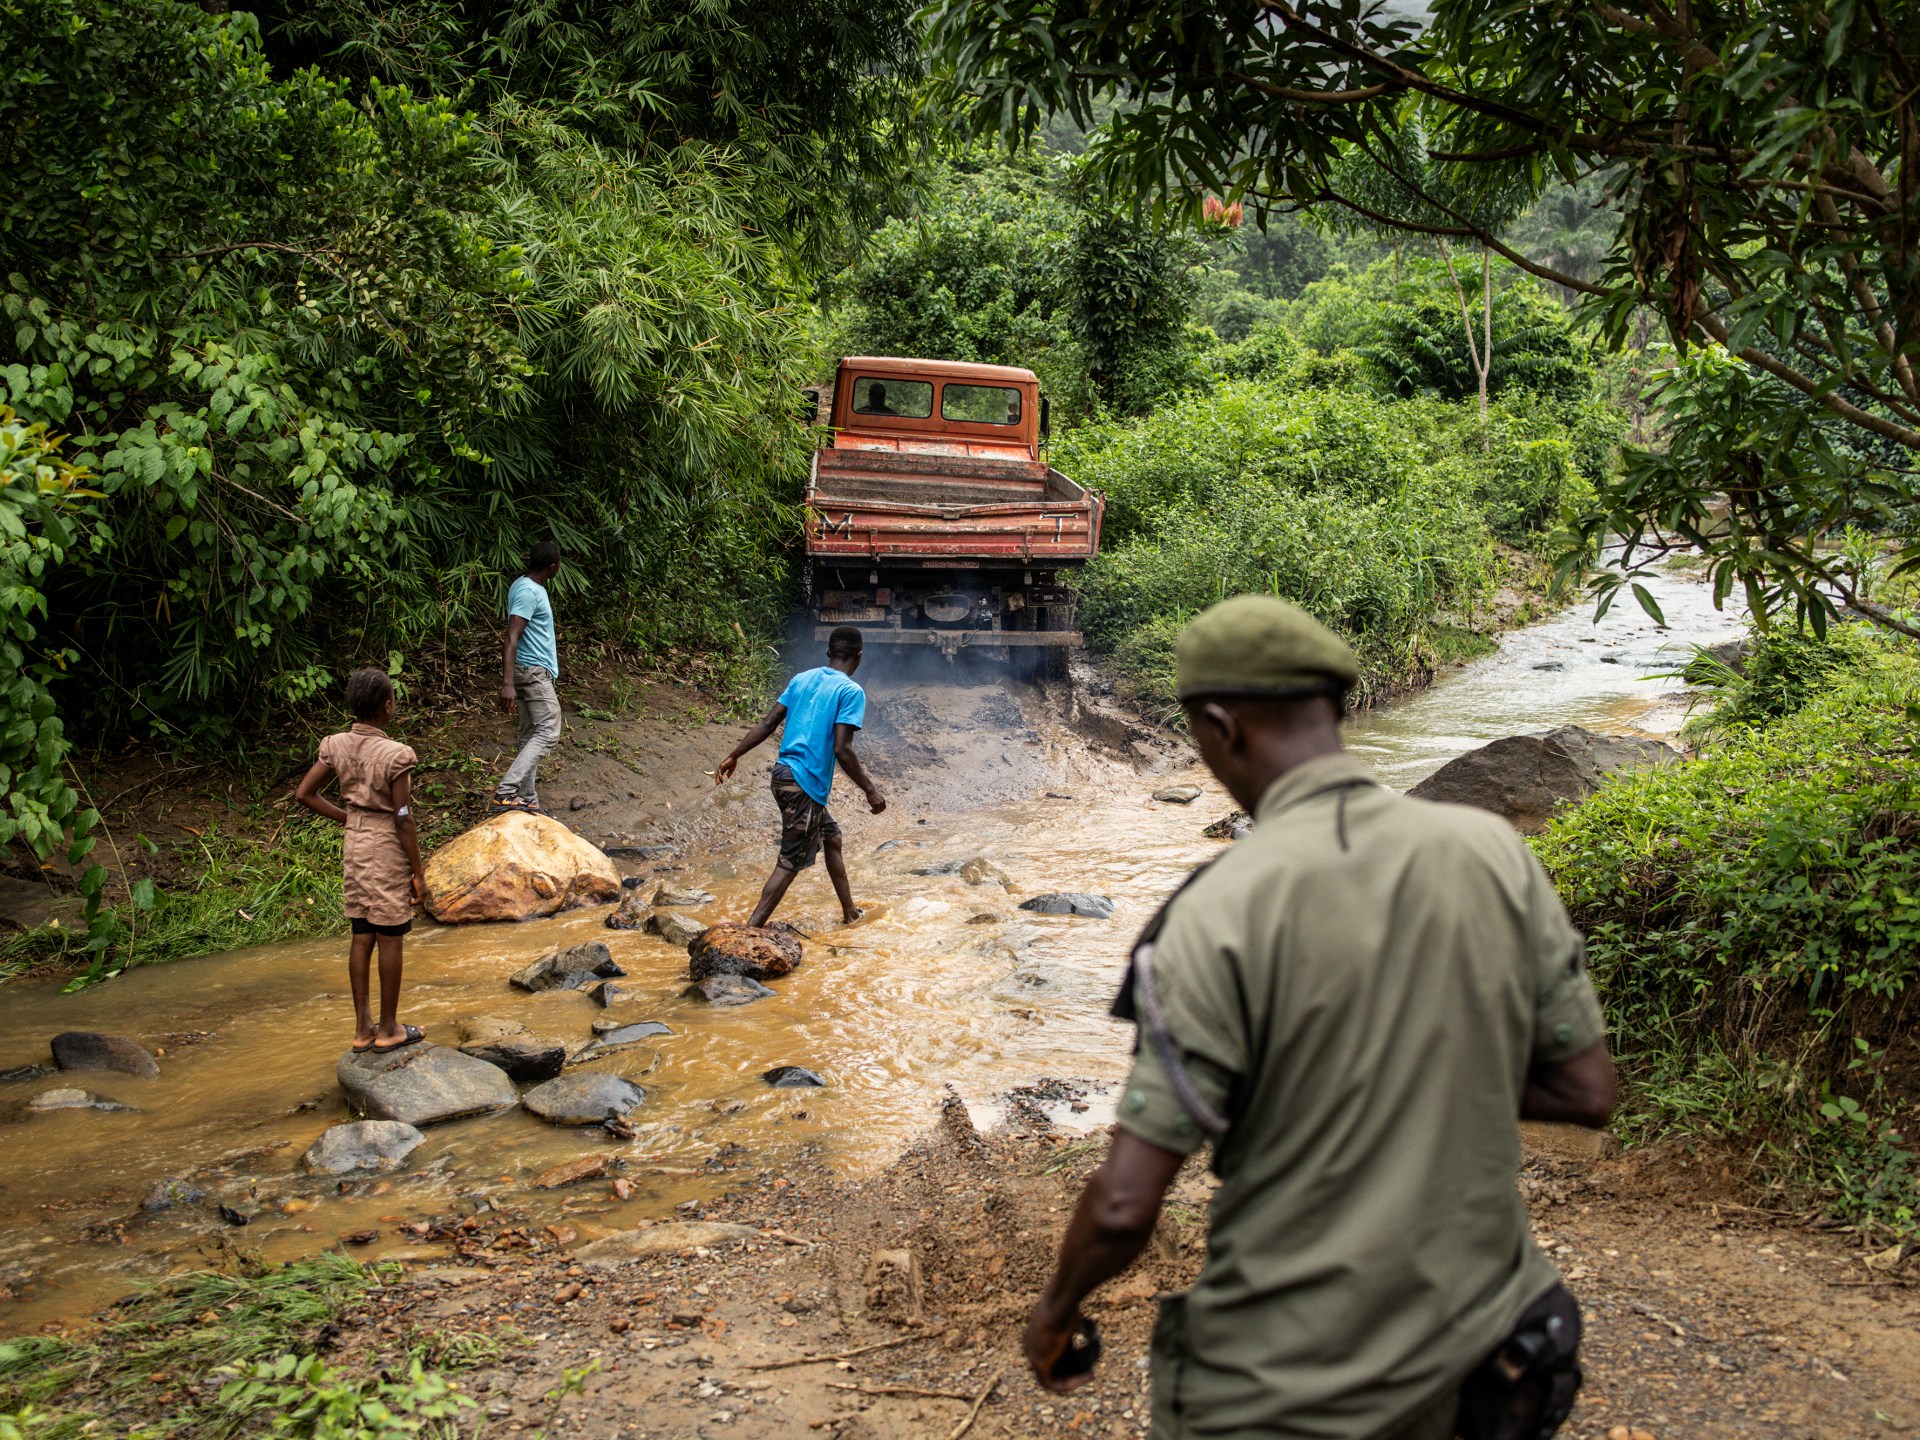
[[877, 504]]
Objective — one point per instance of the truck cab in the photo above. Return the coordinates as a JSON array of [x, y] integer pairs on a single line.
[[933, 517]]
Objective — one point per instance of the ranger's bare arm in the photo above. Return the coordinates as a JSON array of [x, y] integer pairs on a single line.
[[762, 728], [856, 772], [1579, 1090], [1110, 1227]]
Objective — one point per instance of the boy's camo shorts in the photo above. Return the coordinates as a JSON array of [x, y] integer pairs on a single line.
[[804, 821]]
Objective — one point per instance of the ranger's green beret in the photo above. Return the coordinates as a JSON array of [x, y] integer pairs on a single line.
[[1260, 645]]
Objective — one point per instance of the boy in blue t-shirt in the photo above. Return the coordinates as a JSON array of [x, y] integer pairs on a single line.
[[820, 709]]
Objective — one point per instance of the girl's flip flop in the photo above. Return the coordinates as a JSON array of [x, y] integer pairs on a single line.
[[414, 1034]]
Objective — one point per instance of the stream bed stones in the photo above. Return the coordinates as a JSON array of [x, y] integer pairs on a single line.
[[794, 1077], [84, 1050], [674, 928], [74, 1099], [733, 949], [573, 968], [725, 990], [1090, 907], [525, 1057], [362, 1146], [585, 1098], [423, 1084]]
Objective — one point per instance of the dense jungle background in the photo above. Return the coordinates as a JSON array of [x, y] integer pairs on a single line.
[[316, 318]]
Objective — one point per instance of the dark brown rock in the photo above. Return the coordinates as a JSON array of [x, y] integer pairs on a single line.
[[83, 1050], [631, 913], [724, 990], [525, 1057], [732, 949], [571, 969], [1525, 778]]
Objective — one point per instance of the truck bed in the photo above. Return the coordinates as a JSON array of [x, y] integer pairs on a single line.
[[934, 508]]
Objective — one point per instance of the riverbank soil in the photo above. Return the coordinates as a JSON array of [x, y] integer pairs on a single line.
[[1705, 1319]]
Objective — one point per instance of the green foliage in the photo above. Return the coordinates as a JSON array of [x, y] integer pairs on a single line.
[[970, 273], [1780, 672], [170, 1329], [1127, 288], [1420, 346], [44, 516], [306, 1401], [1010, 262], [1378, 515], [1753, 921], [1756, 163], [818, 101]]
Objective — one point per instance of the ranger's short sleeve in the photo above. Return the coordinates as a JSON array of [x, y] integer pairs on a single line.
[[1193, 976], [1566, 1015]]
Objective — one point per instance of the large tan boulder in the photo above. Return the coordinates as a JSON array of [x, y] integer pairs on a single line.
[[517, 867]]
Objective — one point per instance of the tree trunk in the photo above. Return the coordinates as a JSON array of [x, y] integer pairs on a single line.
[[1481, 354], [1486, 332]]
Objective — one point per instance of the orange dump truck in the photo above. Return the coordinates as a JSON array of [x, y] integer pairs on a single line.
[[932, 518]]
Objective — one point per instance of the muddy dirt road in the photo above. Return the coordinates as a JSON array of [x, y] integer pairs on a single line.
[[1706, 1321]]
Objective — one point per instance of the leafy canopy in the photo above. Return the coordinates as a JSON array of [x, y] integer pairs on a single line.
[[1758, 163]]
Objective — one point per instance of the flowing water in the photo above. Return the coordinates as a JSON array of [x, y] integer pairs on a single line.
[[945, 984]]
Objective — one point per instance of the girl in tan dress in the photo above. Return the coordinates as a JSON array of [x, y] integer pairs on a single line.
[[382, 876]]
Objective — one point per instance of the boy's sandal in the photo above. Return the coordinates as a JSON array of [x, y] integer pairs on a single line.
[[414, 1035], [500, 806], [363, 1049]]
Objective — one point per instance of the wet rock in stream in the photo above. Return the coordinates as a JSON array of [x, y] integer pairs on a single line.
[[630, 914], [724, 990], [84, 1050], [584, 1098], [1230, 827], [362, 1146], [1524, 778], [733, 949], [674, 928], [793, 1077], [669, 897], [423, 1084], [26, 1072], [611, 1031], [525, 1057], [166, 1194], [574, 968], [1178, 794], [73, 1099], [609, 993], [1091, 907]]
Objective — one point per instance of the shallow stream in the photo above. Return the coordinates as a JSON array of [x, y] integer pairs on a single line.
[[946, 984]]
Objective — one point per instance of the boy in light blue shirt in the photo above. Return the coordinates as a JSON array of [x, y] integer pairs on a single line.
[[820, 710], [529, 666]]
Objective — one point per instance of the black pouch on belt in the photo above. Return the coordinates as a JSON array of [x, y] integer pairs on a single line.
[[1524, 1390]]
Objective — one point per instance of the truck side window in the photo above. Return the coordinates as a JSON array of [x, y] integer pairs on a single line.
[[908, 399], [981, 404]]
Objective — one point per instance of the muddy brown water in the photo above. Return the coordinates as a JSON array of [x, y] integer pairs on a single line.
[[945, 984]]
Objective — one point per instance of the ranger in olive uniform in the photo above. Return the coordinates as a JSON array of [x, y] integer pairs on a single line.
[[1355, 1003]]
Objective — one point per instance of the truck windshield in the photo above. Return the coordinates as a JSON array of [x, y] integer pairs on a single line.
[[910, 399], [981, 404]]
